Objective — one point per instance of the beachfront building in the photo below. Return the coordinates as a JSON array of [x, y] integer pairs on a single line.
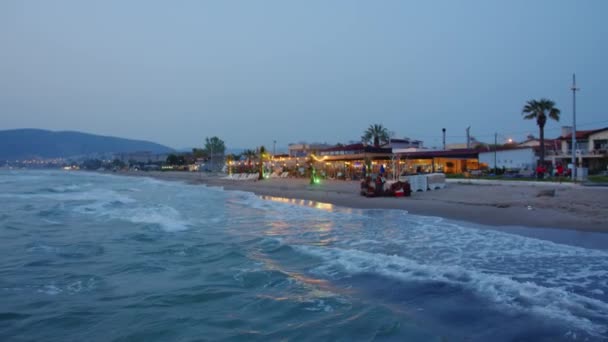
[[591, 149], [518, 158], [428, 161], [473, 143], [396, 143], [347, 161], [550, 144], [303, 149]]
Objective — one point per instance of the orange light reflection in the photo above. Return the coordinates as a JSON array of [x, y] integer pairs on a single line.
[[307, 203]]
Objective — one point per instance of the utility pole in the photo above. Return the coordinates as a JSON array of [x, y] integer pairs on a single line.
[[468, 137], [495, 147], [574, 90], [443, 130], [274, 148]]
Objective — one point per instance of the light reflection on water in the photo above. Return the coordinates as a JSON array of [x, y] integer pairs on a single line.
[[313, 204]]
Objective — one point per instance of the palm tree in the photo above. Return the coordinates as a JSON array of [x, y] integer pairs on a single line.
[[215, 148], [262, 155], [541, 110], [250, 155], [376, 133]]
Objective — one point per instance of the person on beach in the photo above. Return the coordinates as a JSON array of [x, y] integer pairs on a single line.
[[540, 171], [559, 170], [379, 186]]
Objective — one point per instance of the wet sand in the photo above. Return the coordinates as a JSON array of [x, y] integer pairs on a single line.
[[507, 204]]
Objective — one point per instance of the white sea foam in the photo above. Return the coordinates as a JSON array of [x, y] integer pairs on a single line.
[[166, 217], [298, 209], [70, 288], [101, 201], [155, 181], [114, 205], [50, 290], [71, 187], [51, 222], [555, 303], [90, 195], [42, 248]]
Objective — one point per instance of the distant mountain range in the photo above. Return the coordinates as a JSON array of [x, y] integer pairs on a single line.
[[38, 143]]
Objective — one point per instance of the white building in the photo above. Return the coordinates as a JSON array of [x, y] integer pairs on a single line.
[[404, 143], [304, 149], [516, 158]]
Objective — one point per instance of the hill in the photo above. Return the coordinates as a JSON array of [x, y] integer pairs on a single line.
[[38, 143]]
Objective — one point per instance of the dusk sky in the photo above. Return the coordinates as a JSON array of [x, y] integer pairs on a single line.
[[252, 72]]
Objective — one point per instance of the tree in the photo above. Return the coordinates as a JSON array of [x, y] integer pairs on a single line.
[[262, 156], [541, 110], [176, 159], [171, 159], [198, 153], [377, 134], [117, 164], [91, 164], [214, 148], [250, 156]]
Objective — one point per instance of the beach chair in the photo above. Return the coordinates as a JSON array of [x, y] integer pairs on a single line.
[[435, 181]]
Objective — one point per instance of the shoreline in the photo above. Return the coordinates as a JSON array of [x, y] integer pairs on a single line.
[[504, 205]]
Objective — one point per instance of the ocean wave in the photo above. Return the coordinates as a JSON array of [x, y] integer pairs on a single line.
[[588, 314], [66, 188], [70, 287], [165, 216], [102, 195]]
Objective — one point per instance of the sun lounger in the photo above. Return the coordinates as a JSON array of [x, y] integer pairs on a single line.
[[435, 181], [417, 182]]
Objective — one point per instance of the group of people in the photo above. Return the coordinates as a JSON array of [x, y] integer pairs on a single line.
[[375, 187], [559, 171]]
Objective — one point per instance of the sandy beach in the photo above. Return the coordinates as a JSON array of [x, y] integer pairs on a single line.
[[507, 204]]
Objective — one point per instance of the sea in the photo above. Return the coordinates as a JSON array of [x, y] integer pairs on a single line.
[[99, 257]]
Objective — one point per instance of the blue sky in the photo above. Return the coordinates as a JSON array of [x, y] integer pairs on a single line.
[[252, 72]]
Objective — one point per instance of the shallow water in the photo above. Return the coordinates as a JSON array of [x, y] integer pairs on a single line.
[[100, 257]]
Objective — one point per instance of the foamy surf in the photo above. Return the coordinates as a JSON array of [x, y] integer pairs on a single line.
[[247, 263], [553, 303]]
